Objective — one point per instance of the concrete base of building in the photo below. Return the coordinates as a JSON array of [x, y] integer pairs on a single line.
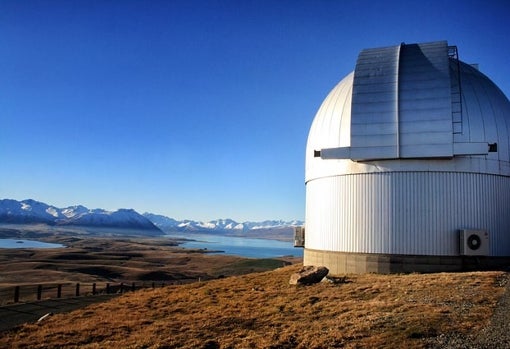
[[340, 263]]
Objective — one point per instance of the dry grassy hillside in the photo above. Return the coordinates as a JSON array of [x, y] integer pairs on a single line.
[[262, 310]]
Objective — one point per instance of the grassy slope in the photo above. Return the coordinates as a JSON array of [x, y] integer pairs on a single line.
[[262, 310]]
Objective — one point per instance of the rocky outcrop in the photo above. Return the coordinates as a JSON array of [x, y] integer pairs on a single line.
[[308, 275]]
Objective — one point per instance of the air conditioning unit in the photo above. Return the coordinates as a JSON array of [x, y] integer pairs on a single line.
[[474, 242], [299, 236]]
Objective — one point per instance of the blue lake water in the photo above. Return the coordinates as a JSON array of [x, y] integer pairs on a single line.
[[18, 243], [244, 247]]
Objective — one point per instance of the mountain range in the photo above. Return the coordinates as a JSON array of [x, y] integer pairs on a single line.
[[31, 212], [219, 225]]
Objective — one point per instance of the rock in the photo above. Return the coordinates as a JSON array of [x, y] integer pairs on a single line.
[[308, 275]]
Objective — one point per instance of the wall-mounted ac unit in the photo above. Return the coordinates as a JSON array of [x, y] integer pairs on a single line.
[[299, 236], [474, 242]]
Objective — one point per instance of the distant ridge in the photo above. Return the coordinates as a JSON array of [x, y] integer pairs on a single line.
[[31, 212], [219, 225]]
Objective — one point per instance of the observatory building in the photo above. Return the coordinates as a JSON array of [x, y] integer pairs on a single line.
[[408, 166]]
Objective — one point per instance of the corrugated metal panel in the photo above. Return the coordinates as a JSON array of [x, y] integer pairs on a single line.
[[401, 103], [374, 121], [406, 212], [424, 100]]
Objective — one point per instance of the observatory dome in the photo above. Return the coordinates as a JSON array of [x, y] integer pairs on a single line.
[[406, 154]]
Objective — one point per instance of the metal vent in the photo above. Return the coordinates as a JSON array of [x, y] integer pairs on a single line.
[[299, 236], [474, 243]]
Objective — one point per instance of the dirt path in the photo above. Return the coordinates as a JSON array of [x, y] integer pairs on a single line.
[[16, 314]]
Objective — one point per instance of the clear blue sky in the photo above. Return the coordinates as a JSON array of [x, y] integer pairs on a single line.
[[196, 109]]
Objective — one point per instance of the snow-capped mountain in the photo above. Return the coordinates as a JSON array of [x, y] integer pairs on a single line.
[[28, 211], [122, 218], [31, 211], [72, 211], [220, 225]]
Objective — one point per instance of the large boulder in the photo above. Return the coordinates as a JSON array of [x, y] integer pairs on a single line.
[[308, 275]]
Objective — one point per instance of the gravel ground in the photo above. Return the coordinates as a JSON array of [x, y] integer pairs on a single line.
[[495, 336]]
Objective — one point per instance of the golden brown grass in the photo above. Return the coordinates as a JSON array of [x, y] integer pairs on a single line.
[[262, 310]]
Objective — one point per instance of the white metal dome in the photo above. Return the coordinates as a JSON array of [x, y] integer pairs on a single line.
[[404, 152], [485, 120]]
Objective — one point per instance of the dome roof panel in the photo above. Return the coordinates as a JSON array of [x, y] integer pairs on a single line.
[[485, 111], [334, 115]]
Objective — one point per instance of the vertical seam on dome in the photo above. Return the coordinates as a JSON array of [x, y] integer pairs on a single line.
[[334, 108], [349, 92], [397, 100], [480, 109]]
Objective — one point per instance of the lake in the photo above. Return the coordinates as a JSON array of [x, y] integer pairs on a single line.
[[244, 247], [18, 243]]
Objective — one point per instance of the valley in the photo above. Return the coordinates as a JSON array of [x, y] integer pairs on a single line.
[[127, 259]]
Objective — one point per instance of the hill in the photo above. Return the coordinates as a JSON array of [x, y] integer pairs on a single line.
[[261, 310]]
